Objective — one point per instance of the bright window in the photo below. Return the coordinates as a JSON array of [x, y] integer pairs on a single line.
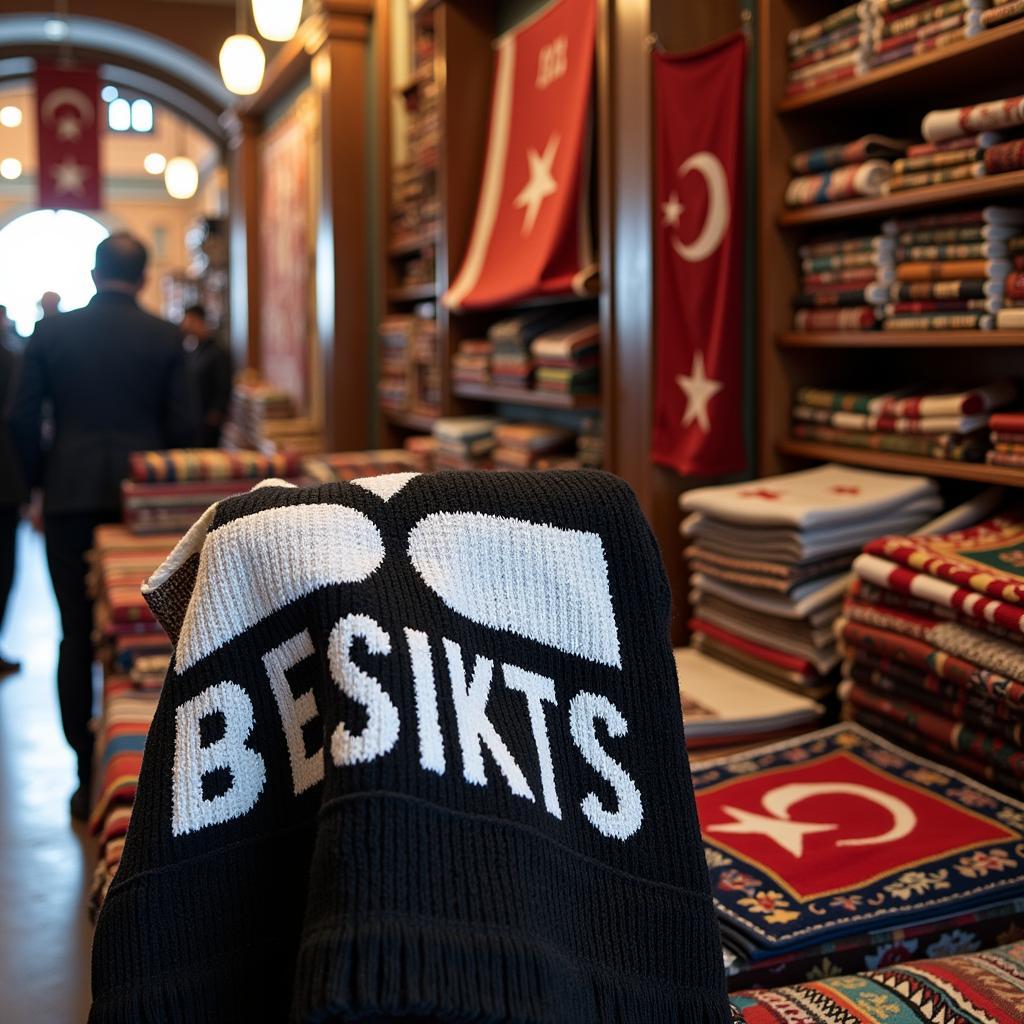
[[48, 250], [119, 115], [142, 116]]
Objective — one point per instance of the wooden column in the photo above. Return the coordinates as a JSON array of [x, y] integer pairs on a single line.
[[340, 73], [243, 158]]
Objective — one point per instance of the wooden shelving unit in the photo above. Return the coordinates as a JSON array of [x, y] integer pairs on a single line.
[[891, 100], [524, 397]]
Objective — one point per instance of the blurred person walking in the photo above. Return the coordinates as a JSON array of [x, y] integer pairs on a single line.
[[115, 379], [12, 494]]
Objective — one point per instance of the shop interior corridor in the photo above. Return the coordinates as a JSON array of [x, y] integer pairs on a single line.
[[46, 863]]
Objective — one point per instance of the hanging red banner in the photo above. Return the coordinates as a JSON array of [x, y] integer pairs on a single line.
[[532, 235], [68, 119], [698, 410]]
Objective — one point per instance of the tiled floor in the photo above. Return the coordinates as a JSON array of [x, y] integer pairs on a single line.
[[45, 864]]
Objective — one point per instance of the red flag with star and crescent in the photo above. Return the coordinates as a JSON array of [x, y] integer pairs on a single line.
[[698, 407], [531, 235], [68, 116]]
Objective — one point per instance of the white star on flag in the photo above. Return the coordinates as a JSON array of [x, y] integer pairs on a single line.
[[68, 128], [672, 210], [699, 389], [70, 176], [541, 184]]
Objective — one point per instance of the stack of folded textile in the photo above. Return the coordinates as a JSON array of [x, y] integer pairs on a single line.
[[905, 28], [1002, 11], [567, 358], [1007, 439], [830, 50], [335, 466], [471, 364], [933, 637], [393, 385], [254, 404], [935, 424], [842, 171], [933, 163], [464, 442], [512, 365], [838, 851], [724, 707], [843, 283], [524, 445], [169, 490], [950, 270], [770, 561], [422, 450], [973, 127], [1011, 316]]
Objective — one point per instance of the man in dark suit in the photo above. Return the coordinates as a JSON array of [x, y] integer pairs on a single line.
[[116, 382], [210, 364], [11, 492]]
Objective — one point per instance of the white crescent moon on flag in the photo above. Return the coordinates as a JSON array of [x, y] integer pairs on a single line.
[[69, 97], [716, 222], [778, 801]]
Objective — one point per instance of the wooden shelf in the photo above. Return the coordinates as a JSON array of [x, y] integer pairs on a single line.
[[413, 293], [978, 472], [993, 56], [901, 339], [522, 396], [987, 187], [410, 420], [413, 244]]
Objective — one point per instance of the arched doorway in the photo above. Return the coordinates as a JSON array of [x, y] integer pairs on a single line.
[[47, 250]]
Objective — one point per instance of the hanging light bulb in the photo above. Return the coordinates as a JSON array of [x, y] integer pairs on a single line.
[[181, 177], [242, 61], [277, 20]]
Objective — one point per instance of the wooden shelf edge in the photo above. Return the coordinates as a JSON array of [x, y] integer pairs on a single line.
[[978, 472], [514, 396], [409, 420], [413, 293], [911, 199], [893, 74], [900, 339]]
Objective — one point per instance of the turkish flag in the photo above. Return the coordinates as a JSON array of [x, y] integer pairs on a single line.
[[531, 235], [698, 408], [68, 116]]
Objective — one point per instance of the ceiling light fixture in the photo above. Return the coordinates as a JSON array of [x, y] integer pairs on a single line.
[[277, 20], [181, 177], [242, 61]]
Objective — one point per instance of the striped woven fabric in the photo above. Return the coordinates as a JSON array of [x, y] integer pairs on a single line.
[[211, 464]]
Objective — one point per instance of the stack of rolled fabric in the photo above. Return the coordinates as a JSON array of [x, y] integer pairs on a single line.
[[1002, 11], [769, 563], [843, 171], [527, 445], [568, 358], [843, 283], [973, 128], [934, 424], [1007, 439], [950, 270], [830, 50], [1011, 316], [839, 851], [906, 28], [471, 363], [932, 635], [168, 490], [464, 442]]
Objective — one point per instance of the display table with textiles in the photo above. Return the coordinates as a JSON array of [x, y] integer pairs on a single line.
[[838, 851], [972, 988]]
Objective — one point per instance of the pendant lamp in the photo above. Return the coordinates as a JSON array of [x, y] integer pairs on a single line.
[[277, 20], [242, 61]]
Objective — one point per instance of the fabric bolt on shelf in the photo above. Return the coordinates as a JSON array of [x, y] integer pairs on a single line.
[[1001, 217], [842, 35], [1012, 460], [1003, 13], [908, 291], [849, 318], [210, 464], [840, 831], [804, 681], [799, 71], [973, 988], [848, 15], [842, 297], [940, 322], [829, 47], [848, 276], [911, 402], [890, 424], [1010, 319], [892, 309], [951, 270], [993, 115], [1006, 156], [855, 246], [862, 179], [925, 45], [927, 30], [827, 496], [824, 158], [980, 140], [394, 872], [956, 447], [720, 702]]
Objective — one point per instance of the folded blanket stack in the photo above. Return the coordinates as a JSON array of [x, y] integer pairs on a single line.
[[995, 154], [907, 28], [769, 563], [422, 449], [950, 270], [838, 851], [932, 635], [471, 363], [512, 365], [934, 424], [1002, 11], [169, 490], [464, 442], [843, 283], [264, 418], [843, 171], [525, 445], [1007, 439], [934, 163], [568, 358], [830, 50]]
